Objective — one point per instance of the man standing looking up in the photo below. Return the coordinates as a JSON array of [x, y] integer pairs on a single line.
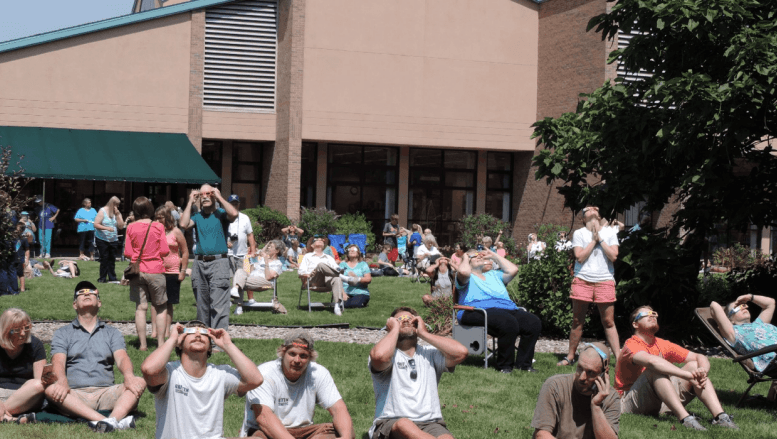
[[189, 394], [240, 239], [405, 376], [210, 269], [596, 249], [282, 408]]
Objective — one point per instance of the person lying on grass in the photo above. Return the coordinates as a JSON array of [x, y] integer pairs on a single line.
[[189, 394], [405, 376], [283, 406], [649, 382], [83, 354], [580, 405], [66, 270]]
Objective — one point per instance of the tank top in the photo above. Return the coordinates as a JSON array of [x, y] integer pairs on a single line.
[[105, 235], [172, 261]]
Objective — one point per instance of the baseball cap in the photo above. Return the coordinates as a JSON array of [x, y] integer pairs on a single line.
[[233, 198], [299, 334], [24, 212], [84, 285]]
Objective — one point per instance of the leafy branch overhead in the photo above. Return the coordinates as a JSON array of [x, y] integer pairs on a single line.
[[701, 127]]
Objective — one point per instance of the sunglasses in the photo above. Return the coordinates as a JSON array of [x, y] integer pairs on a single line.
[[645, 314], [737, 309], [195, 331], [404, 318], [413, 371], [23, 329], [87, 292]]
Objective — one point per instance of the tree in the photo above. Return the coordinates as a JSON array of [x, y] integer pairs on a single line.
[[699, 129]]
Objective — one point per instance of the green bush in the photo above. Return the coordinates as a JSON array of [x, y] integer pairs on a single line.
[[543, 288], [474, 226], [319, 221], [734, 256], [267, 223], [759, 276], [352, 223]]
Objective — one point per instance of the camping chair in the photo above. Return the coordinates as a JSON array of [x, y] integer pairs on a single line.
[[306, 286], [474, 338], [360, 240], [753, 376], [264, 306], [337, 241]]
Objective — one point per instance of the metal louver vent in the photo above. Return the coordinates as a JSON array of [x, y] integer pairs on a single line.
[[628, 76], [240, 53]]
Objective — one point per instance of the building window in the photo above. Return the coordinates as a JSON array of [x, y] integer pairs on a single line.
[[363, 179], [499, 185], [247, 173], [441, 190], [211, 153], [309, 168]]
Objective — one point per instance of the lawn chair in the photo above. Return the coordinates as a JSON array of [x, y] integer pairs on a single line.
[[264, 306], [753, 376], [360, 240], [474, 338], [338, 242], [307, 287]]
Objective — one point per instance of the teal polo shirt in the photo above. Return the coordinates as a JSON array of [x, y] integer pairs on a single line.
[[211, 230]]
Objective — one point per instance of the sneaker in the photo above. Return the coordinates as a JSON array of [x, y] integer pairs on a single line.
[[114, 282], [692, 422], [724, 420], [338, 311], [238, 310], [106, 425], [127, 423], [251, 302], [234, 293]]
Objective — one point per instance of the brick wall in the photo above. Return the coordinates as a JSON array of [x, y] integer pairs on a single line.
[[196, 66], [571, 61]]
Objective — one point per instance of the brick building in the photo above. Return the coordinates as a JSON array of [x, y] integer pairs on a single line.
[[423, 108]]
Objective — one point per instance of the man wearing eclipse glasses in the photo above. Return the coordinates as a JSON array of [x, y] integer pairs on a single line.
[[650, 383], [405, 376], [83, 354], [189, 394]]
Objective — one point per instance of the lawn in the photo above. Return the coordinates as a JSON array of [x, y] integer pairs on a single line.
[[477, 403]]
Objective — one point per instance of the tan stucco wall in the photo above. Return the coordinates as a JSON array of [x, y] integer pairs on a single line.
[[238, 126], [455, 73], [133, 78]]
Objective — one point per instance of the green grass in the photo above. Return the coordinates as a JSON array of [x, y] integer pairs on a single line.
[[50, 298]]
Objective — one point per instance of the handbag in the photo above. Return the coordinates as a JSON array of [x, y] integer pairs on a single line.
[[133, 269]]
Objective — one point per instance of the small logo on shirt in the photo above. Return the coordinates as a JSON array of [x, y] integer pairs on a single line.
[[283, 401], [402, 365], [182, 390]]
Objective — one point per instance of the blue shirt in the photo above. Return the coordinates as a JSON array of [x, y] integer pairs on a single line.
[[90, 359], [107, 235], [211, 230], [751, 337], [488, 293], [361, 269], [414, 241], [44, 214], [87, 215]]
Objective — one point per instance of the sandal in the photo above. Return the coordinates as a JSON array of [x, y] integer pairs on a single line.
[[29, 418], [566, 362]]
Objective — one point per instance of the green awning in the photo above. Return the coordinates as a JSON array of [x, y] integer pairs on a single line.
[[106, 155]]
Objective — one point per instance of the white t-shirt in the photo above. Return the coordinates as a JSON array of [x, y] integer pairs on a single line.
[[259, 267], [241, 227], [597, 268], [292, 402], [421, 249], [194, 408], [311, 261], [294, 255], [397, 395]]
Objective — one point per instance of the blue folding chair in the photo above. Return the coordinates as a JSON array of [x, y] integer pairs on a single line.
[[338, 242], [360, 240]]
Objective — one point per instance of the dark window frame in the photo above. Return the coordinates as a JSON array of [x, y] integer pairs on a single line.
[[501, 172]]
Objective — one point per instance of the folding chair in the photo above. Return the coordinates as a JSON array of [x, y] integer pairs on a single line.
[[264, 306], [315, 289], [753, 376], [338, 242], [360, 240], [475, 338]]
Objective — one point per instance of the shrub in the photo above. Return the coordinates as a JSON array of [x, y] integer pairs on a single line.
[[320, 221], [473, 227], [759, 276], [732, 257], [267, 223], [352, 223], [12, 203], [439, 316]]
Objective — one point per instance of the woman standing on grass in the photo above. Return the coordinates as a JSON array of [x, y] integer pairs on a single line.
[[106, 233], [356, 278], [22, 358], [85, 218], [150, 285], [175, 266]]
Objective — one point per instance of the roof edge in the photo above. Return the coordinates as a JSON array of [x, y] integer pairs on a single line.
[[110, 23]]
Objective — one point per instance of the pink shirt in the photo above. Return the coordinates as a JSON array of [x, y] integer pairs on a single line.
[[156, 246], [173, 260]]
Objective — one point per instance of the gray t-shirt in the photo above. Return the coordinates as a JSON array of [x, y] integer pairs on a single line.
[[189, 407], [292, 402], [397, 395], [597, 268], [443, 287], [566, 414], [89, 356], [390, 228]]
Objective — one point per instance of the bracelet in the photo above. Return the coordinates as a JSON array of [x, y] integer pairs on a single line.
[[752, 297]]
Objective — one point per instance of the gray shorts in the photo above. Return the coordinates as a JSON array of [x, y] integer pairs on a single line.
[[434, 428]]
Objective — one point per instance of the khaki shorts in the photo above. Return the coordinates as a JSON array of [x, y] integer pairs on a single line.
[[434, 428], [99, 398], [147, 285], [315, 431], [642, 398]]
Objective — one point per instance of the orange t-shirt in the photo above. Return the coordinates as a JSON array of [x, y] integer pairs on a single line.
[[626, 372]]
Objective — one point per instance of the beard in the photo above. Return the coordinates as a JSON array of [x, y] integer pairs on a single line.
[[652, 330], [407, 333]]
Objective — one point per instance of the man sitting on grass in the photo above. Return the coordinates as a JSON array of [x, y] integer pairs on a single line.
[[189, 394], [580, 405], [83, 354], [322, 270], [405, 376], [294, 383], [649, 382]]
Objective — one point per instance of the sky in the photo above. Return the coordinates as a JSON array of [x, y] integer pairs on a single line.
[[22, 18]]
